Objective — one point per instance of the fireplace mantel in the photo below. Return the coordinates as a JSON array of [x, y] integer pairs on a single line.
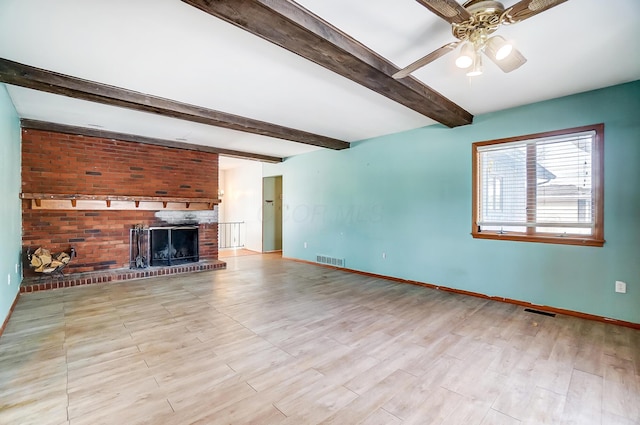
[[52, 201]]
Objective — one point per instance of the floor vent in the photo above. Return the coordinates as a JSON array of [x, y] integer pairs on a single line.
[[544, 313], [323, 259]]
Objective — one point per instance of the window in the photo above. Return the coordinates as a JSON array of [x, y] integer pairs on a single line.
[[544, 187]]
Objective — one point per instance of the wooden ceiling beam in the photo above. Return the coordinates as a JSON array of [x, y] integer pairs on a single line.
[[96, 132], [43, 80], [294, 28]]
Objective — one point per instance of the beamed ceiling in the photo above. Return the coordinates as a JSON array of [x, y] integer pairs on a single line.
[[270, 79]]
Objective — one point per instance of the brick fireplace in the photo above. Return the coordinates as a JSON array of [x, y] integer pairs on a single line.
[[163, 186]]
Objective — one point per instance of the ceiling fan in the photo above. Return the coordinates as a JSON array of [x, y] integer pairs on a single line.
[[472, 23]]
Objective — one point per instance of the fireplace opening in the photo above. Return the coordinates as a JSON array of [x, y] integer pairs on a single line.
[[173, 245]]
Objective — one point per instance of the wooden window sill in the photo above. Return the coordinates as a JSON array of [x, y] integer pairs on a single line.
[[564, 240]]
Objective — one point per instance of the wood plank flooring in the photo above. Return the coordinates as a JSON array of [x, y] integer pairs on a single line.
[[271, 341]]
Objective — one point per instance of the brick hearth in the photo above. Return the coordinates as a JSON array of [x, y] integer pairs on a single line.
[[41, 283]]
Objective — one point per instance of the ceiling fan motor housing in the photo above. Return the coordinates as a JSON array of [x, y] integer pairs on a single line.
[[486, 18]]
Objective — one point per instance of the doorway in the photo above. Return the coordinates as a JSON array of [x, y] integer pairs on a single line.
[[272, 214]]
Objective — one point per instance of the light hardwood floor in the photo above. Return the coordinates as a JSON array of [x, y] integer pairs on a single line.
[[271, 341]]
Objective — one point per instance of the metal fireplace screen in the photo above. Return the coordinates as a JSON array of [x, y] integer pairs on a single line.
[[173, 245]]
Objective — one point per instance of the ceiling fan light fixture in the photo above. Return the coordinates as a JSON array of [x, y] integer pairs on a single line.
[[498, 48], [467, 56], [477, 67]]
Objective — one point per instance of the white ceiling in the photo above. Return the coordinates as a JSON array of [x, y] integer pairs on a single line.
[[169, 49]]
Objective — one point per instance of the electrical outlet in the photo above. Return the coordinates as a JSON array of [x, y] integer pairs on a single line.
[[305, 244], [384, 255], [621, 287]]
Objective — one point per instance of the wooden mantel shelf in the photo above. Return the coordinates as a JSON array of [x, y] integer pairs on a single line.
[[52, 201]]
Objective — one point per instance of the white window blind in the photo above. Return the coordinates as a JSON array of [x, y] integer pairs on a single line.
[[541, 185]]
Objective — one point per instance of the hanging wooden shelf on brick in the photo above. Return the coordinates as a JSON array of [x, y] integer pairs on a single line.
[[51, 201]]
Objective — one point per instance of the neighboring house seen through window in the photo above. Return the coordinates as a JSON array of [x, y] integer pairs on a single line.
[[544, 187]]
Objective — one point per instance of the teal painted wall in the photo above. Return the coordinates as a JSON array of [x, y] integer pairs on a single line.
[[10, 215], [409, 195]]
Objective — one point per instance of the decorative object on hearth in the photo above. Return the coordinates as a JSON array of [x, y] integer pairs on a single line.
[[42, 261], [473, 24]]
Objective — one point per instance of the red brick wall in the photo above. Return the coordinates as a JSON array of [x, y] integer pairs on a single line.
[[68, 164]]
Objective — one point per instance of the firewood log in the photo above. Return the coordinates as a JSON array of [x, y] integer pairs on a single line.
[[35, 261], [63, 257], [55, 264]]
